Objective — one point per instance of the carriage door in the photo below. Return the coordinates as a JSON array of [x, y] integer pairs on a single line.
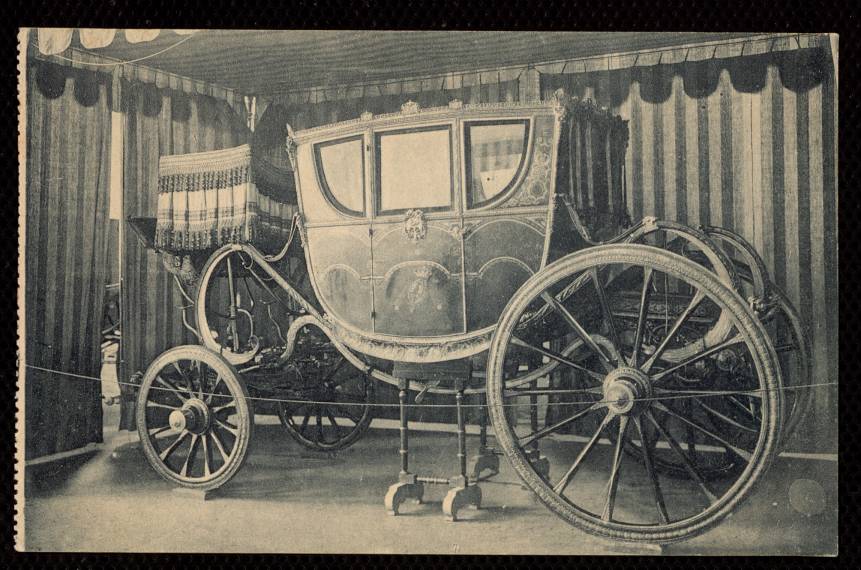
[[507, 169], [338, 228], [416, 244]]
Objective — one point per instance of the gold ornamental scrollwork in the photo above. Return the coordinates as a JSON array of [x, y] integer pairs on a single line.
[[415, 225], [410, 108]]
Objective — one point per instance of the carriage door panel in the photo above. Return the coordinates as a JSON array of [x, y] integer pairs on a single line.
[[338, 230], [417, 254], [507, 177]]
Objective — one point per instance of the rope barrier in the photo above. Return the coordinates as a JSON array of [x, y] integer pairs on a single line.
[[669, 396]]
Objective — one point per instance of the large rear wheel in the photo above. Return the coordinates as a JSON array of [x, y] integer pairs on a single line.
[[637, 387]]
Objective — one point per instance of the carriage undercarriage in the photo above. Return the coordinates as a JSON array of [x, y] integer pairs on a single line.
[[668, 343]]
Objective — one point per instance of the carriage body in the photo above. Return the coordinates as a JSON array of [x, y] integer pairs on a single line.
[[419, 226]]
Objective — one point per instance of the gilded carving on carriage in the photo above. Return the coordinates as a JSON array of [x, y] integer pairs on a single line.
[[415, 225]]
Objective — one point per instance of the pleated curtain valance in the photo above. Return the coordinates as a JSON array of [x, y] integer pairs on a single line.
[[55, 45]]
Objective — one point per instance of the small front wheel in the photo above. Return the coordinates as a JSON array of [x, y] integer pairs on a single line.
[[194, 418]]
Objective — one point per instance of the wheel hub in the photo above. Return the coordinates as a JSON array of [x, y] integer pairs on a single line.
[[194, 416], [624, 390]]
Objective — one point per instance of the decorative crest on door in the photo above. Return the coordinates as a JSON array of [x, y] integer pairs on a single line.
[[415, 225]]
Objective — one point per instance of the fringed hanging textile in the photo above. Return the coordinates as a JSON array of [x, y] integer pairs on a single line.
[[208, 199]]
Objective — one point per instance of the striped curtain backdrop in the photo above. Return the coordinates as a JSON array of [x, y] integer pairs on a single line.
[[68, 150], [747, 144], [158, 123]]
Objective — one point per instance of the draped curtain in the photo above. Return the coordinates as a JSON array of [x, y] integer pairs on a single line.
[[159, 122], [68, 160]]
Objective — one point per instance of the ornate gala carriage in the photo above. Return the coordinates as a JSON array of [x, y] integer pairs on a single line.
[[484, 252]]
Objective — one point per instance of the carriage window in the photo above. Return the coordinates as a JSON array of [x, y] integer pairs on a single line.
[[496, 153], [414, 169], [340, 165]]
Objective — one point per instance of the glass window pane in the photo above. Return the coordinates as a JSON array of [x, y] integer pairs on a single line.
[[495, 156], [415, 169], [343, 172]]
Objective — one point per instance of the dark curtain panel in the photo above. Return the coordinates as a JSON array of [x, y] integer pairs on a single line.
[[68, 159], [158, 123]]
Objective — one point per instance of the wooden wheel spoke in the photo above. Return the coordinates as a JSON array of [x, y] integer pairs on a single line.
[[645, 295], [741, 406], [168, 451], [331, 417], [670, 394], [724, 417], [184, 375], [743, 453], [559, 487], [172, 388], [526, 440], [201, 378], [697, 357], [650, 471], [207, 471], [151, 404], [686, 462], [605, 308], [226, 426], [219, 445], [552, 392], [156, 431], [227, 406], [218, 380], [613, 482], [698, 298], [319, 424], [578, 328], [307, 419], [689, 432], [557, 357], [192, 451]]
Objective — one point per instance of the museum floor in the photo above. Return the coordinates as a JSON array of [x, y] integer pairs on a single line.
[[286, 499]]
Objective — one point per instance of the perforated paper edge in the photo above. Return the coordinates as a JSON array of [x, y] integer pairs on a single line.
[[20, 434]]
